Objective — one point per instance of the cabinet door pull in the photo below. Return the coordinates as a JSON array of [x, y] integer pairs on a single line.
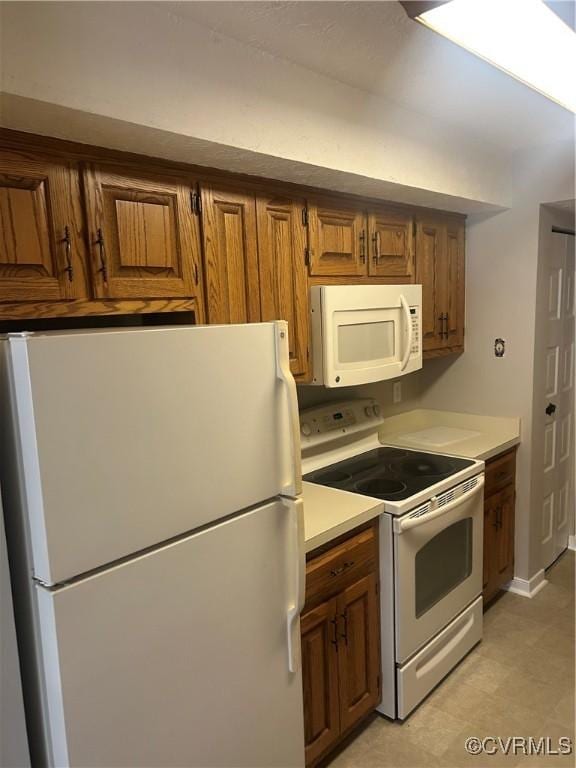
[[68, 246], [376, 245], [446, 325], [345, 635], [334, 640], [102, 252], [363, 246]]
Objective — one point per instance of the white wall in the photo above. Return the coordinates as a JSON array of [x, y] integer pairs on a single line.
[[501, 282], [137, 63]]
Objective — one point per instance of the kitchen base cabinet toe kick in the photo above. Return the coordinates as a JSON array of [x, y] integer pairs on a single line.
[[340, 627]]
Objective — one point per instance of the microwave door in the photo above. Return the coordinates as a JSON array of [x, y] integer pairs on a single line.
[[367, 346]]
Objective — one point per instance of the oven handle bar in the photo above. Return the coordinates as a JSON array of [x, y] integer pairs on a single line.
[[413, 522], [406, 309]]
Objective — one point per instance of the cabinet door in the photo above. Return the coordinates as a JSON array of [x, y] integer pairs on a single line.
[[453, 277], [359, 651], [230, 255], [337, 240], [391, 247], [283, 281], [490, 525], [144, 237], [504, 552], [429, 243], [42, 252], [319, 628]]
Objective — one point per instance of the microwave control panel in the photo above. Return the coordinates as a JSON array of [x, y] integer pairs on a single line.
[[415, 319]]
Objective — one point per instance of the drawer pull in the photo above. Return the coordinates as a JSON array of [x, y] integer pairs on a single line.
[[342, 568]]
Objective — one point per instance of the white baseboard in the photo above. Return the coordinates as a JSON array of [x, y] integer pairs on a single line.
[[528, 587], [572, 542]]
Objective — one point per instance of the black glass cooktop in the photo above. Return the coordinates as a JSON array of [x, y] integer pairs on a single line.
[[392, 474]]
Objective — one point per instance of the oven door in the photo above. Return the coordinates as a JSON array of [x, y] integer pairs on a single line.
[[438, 564]]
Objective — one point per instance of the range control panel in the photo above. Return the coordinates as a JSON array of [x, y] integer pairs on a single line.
[[322, 423], [414, 318]]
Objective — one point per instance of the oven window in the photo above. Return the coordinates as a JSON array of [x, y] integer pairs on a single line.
[[362, 342], [443, 563]]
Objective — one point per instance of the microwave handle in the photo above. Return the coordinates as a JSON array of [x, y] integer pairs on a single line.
[[406, 309]]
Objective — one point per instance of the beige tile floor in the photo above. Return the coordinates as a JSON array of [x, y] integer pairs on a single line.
[[518, 682]]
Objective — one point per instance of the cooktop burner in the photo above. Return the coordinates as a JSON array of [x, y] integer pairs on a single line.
[[391, 474]]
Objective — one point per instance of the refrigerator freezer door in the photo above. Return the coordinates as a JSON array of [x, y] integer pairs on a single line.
[[130, 438], [179, 657]]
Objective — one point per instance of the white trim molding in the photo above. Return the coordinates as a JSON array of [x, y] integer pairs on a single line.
[[572, 542], [528, 587]]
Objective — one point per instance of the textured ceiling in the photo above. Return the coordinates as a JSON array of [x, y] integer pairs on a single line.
[[375, 47]]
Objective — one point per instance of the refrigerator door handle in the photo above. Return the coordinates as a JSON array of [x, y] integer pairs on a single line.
[[293, 485], [297, 565]]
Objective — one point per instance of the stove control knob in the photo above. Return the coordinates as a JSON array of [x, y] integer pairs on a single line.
[[306, 429], [376, 410], [368, 410]]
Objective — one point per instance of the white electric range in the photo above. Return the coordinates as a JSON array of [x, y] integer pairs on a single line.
[[431, 535]]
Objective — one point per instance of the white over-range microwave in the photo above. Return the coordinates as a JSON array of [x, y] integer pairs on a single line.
[[365, 333]]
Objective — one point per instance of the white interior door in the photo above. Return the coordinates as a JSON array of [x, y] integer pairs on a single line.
[[555, 405], [180, 657], [132, 437]]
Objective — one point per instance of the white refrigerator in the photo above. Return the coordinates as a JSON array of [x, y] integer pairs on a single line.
[[151, 484]]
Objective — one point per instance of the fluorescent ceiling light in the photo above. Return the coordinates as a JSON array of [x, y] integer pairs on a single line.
[[522, 37]]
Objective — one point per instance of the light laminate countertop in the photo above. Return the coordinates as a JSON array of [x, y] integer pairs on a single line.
[[460, 434], [329, 513]]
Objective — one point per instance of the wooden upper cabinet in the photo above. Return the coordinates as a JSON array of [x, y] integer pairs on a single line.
[[337, 239], [440, 270], [391, 250], [429, 239], [230, 255], [42, 250], [455, 287], [283, 280], [144, 235]]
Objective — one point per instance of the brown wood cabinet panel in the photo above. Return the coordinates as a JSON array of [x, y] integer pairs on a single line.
[[42, 251], [391, 252], [504, 565], [454, 282], [320, 678], [337, 239], [283, 280], [500, 472], [428, 247], [144, 236], [343, 563], [440, 270], [499, 520], [359, 653], [230, 255]]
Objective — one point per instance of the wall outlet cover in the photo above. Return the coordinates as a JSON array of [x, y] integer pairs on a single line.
[[499, 347]]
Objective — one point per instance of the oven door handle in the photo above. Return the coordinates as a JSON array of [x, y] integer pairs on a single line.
[[412, 522], [406, 309]]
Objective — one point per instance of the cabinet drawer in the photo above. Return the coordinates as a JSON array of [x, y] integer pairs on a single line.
[[500, 472], [330, 571]]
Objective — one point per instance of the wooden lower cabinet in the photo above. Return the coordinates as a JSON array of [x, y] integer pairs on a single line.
[[499, 513], [340, 628]]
